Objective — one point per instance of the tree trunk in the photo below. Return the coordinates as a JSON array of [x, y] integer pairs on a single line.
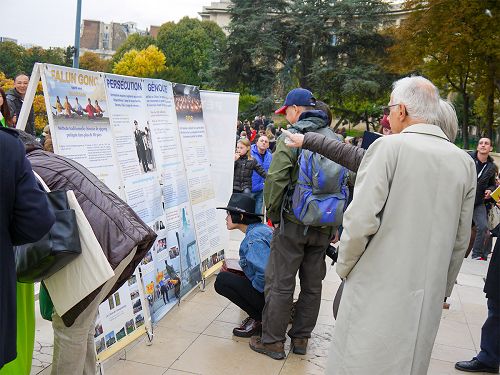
[[465, 123]]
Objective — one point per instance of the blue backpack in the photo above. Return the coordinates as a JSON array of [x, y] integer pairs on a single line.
[[320, 195]]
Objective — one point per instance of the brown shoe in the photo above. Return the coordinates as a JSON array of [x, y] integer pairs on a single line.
[[276, 350], [248, 328], [299, 346]]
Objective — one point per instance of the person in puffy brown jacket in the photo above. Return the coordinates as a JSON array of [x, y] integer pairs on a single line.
[[124, 237]]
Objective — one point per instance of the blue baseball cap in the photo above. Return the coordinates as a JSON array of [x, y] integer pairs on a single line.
[[299, 96]]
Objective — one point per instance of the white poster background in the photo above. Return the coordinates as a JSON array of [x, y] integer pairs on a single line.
[[220, 114], [197, 160]]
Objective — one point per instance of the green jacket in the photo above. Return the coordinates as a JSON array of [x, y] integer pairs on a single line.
[[284, 167]]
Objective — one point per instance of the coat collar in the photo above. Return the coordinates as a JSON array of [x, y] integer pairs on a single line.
[[426, 129]]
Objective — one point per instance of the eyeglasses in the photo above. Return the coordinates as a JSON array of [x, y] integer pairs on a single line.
[[387, 109]]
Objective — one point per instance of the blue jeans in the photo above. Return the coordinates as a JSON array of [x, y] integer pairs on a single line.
[[481, 221], [259, 201], [490, 334]]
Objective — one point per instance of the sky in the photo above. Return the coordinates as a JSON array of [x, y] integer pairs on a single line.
[[51, 23]]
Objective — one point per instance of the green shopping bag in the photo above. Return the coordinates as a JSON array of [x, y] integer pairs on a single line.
[[46, 305], [25, 294]]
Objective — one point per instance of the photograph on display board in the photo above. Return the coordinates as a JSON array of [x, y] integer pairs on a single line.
[[212, 260], [139, 320], [187, 100], [162, 283], [99, 345], [117, 317], [110, 339], [80, 127], [144, 147]]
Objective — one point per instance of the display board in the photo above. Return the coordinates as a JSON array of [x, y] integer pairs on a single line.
[[147, 141]]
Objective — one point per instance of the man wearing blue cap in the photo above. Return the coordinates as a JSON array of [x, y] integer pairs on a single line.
[[294, 246]]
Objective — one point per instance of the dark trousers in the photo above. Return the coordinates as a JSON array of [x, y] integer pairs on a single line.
[[293, 251], [490, 336], [481, 221], [239, 290]]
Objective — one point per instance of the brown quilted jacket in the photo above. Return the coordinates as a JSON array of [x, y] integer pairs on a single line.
[[116, 226]]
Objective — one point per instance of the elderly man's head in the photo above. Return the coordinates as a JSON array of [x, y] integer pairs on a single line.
[[413, 100]]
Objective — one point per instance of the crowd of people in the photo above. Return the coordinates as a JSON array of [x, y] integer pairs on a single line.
[[404, 231]]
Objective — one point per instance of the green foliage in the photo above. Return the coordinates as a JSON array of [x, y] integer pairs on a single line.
[[333, 48], [134, 41], [11, 58], [92, 61], [190, 47], [456, 44], [38, 54]]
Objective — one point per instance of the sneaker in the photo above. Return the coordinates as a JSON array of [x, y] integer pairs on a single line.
[[276, 350], [248, 328], [299, 345], [476, 258], [483, 258]]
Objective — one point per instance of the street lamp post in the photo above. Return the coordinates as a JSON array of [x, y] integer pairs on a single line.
[[76, 54]]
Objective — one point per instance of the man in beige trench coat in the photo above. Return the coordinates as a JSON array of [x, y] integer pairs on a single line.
[[405, 235]]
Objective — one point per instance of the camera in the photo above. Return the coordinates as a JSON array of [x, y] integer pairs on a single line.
[[332, 252]]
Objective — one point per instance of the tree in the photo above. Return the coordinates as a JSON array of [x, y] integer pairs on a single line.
[[11, 58], [331, 47], [92, 61], [148, 62], [134, 41], [38, 54], [455, 43], [190, 47]]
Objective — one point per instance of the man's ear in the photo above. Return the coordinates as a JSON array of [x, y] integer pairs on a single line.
[[241, 218]]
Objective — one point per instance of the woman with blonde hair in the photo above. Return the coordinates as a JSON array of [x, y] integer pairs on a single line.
[[244, 165]]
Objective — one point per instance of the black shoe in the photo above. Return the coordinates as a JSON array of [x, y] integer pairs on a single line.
[[475, 366]]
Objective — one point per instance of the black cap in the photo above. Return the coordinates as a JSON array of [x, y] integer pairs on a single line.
[[241, 204]]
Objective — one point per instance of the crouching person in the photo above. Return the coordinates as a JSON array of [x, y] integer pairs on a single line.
[[247, 291]]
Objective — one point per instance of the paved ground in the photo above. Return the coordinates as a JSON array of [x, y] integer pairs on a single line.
[[195, 338]]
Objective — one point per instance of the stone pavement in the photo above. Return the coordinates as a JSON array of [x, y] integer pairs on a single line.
[[195, 337]]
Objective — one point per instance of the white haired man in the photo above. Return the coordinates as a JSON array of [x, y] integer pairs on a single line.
[[405, 236]]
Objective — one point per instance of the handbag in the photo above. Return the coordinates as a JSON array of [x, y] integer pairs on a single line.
[[233, 266], [41, 259], [91, 269], [336, 300], [493, 217]]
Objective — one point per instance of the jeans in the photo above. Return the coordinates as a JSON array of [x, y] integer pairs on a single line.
[[259, 201], [480, 220], [239, 290]]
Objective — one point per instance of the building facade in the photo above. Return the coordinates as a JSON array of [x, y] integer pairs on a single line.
[[105, 38]]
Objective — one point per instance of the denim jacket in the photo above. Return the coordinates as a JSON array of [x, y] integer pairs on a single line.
[[254, 253]]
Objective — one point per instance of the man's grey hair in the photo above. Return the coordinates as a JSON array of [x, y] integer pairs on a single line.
[[28, 140], [448, 121], [420, 97]]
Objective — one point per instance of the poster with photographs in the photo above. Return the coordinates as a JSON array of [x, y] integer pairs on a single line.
[[120, 317], [166, 278], [78, 114], [134, 145], [196, 156]]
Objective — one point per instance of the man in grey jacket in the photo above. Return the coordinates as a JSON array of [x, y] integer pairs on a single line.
[[15, 100]]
